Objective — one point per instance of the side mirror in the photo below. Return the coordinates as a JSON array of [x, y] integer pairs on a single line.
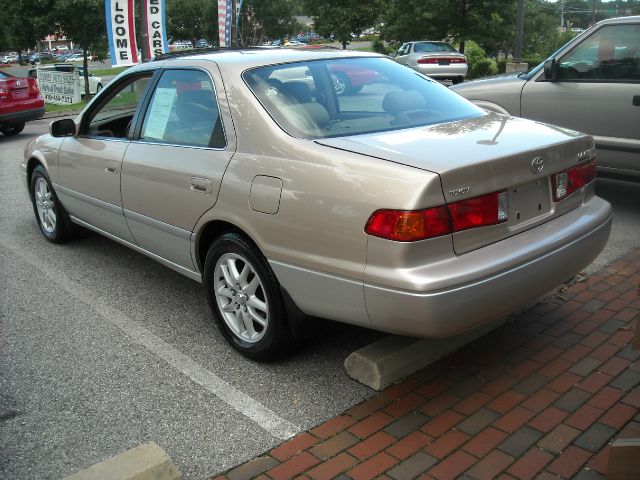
[[63, 128], [550, 69]]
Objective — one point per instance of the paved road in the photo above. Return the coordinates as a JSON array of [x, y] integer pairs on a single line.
[[103, 349]]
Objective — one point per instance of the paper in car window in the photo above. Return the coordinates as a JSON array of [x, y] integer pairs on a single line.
[[163, 101]]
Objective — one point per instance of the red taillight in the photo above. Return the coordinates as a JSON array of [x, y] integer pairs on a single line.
[[4, 94], [409, 226], [413, 225], [433, 60], [568, 181], [33, 85], [481, 211]]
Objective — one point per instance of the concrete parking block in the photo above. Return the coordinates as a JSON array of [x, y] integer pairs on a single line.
[[144, 462]]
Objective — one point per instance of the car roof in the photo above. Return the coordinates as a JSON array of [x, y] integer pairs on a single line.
[[631, 19], [256, 57]]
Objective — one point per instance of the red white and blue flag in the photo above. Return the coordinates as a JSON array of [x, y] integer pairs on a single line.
[[225, 13]]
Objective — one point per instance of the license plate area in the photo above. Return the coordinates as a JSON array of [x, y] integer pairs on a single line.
[[529, 201], [444, 61], [20, 93]]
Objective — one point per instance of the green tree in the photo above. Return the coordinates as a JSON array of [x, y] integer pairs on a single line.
[[192, 19], [344, 18], [83, 21], [24, 23], [266, 19]]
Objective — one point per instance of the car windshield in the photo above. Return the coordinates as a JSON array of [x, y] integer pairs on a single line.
[[352, 96], [421, 47]]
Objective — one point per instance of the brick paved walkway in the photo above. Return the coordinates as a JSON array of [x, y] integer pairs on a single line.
[[541, 397]]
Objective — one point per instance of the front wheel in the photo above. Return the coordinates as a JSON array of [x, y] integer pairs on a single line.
[[244, 297], [13, 129], [50, 214], [98, 87]]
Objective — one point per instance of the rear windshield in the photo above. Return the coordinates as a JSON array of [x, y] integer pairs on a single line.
[[351, 96], [420, 47]]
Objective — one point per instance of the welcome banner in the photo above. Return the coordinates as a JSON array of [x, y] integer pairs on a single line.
[[121, 32], [156, 27]]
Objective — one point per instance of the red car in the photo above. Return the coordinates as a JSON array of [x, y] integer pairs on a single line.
[[20, 102]]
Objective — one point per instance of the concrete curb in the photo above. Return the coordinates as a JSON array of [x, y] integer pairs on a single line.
[[144, 462], [393, 358], [66, 113]]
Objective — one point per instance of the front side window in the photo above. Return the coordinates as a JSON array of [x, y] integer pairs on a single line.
[[184, 111], [113, 118], [610, 54], [351, 96]]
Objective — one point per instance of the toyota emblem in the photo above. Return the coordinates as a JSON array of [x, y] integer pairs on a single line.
[[18, 84], [537, 165]]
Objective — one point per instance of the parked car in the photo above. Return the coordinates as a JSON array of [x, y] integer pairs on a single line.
[[181, 45], [203, 43], [40, 57], [20, 102], [592, 84], [75, 57], [95, 83], [10, 58], [403, 207], [435, 59]]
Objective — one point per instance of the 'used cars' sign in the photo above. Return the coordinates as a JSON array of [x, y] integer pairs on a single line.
[[59, 87]]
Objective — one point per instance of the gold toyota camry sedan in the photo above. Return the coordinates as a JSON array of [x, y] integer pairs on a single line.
[[397, 206]]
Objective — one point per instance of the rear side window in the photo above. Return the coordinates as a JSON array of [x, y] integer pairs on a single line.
[[351, 96], [184, 111]]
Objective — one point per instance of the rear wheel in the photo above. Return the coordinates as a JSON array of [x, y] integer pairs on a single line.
[[457, 80], [13, 129], [52, 218], [244, 297]]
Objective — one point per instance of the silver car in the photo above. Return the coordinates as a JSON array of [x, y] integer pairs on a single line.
[[592, 84], [400, 206], [435, 59]]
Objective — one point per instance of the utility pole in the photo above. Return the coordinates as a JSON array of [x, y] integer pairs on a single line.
[[144, 36], [517, 49]]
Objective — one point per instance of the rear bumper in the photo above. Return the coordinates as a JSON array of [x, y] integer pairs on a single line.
[[495, 280], [21, 116], [444, 71]]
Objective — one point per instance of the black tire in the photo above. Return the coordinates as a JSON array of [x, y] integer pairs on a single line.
[[60, 229], [98, 87], [13, 129], [236, 311], [457, 80]]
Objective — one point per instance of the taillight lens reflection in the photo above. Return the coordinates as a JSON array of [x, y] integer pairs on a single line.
[[568, 181], [481, 211]]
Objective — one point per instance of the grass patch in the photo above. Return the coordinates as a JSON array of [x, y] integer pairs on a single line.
[[108, 71], [54, 107]]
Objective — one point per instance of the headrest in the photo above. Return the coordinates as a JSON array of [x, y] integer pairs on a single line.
[[299, 91], [395, 102]]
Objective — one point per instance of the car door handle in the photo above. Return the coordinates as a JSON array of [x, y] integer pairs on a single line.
[[636, 101], [200, 185], [111, 170]]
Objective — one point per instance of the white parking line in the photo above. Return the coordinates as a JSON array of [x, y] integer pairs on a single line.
[[266, 419]]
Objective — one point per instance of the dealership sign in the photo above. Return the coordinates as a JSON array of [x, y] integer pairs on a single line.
[[156, 27], [121, 32], [59, 87]]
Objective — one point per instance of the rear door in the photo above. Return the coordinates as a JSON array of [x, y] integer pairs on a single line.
[[173, 169], [597, 91]]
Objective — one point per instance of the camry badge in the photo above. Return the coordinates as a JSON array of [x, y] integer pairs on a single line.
[[537, 165]]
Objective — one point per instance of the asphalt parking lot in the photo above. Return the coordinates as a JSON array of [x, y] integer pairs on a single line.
[[103, 349]]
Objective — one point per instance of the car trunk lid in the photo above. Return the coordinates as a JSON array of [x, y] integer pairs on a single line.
[[478, 156]]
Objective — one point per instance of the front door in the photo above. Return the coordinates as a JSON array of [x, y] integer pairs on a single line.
[[597, 91], [90, 164]]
